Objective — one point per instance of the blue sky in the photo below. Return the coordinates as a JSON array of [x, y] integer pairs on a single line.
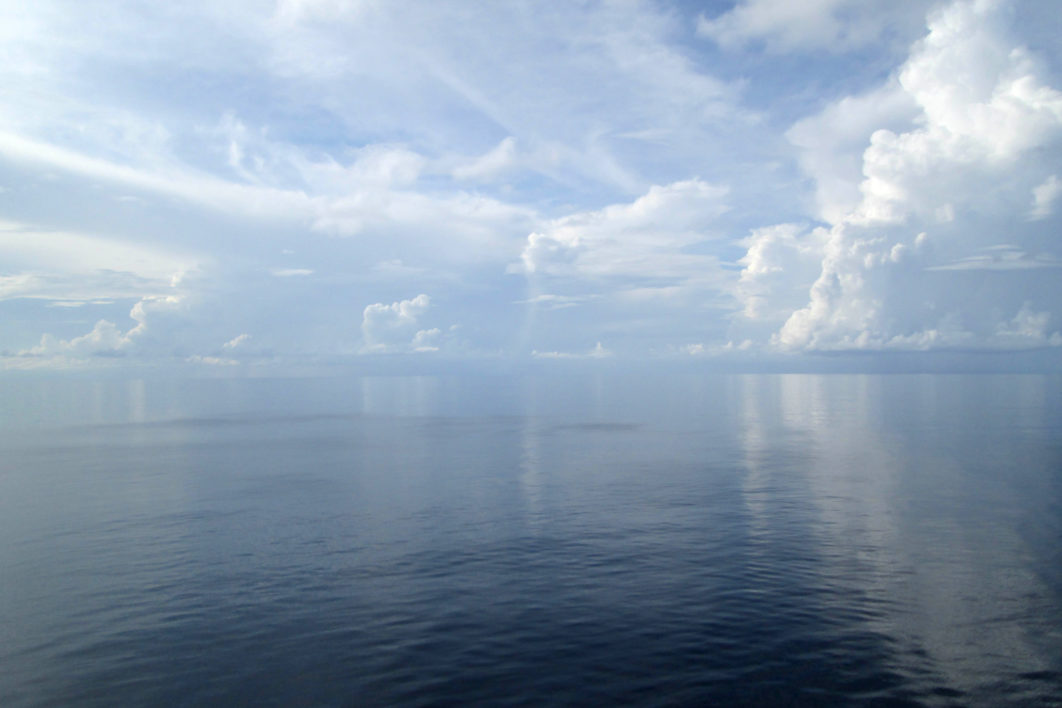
[[311, 182]]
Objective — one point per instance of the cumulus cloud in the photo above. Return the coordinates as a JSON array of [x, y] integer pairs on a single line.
[[425, 340], [645, 238], [396, 327], [159, 323], [935, 198], [831, 143], [779, 265], [643, 269], [104, 339], [1028, 328], [1044, 197]]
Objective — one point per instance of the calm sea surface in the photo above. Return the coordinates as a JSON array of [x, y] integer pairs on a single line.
[[776, 540]]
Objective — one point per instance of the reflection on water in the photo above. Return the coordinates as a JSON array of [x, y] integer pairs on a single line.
[[923, 508], [750, 539]]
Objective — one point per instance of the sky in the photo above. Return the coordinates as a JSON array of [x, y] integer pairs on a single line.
[[253, 185]]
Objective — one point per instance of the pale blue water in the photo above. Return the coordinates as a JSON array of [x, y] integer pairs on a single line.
[[660, 540]]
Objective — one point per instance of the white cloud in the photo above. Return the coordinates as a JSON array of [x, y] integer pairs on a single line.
[[1044, 197], [425, 340], [831, 25], [553, 301], [650, 265], [77, 303], [597, 352], [779, 266], [180, 182], [237, 342], [395, 327], [78, 267], [832, 143], [500, 159], [933, 198], [105, 338], [170, 328], [366, 195], [559, 140], [699, 349], [211, 360], [1028, 328], [645, 238], [158, 320]]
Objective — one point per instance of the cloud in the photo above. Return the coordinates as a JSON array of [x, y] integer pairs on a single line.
[[646, 238], [425, 340], [395, 327], [643, 273], [212, 360], [1003, 257], [597, 352], [831, 143], [556, 175], [179, 182], [699, 349], [237, 342], [779, 265], [59, 264], [346, 200], [104, 339], [159, 323], [433, 141], [552, 301], [164, 329], [1028, 328], [500, 159], [1044, 197], [933, 199], [830, 25], [78, 303]]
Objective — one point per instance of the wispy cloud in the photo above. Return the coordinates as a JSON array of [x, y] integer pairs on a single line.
[[646, 175]]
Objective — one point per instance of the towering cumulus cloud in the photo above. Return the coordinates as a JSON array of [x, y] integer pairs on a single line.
[[950, 240]]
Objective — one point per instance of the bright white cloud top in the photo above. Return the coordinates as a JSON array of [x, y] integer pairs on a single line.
[[320, 181]]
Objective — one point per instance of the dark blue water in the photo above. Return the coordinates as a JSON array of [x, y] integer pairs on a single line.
[[776, 540]]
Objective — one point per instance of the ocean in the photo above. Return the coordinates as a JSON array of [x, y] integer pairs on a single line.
[[572, 539]]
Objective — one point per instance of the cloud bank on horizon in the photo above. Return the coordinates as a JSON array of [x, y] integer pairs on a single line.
[[314, 181]]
